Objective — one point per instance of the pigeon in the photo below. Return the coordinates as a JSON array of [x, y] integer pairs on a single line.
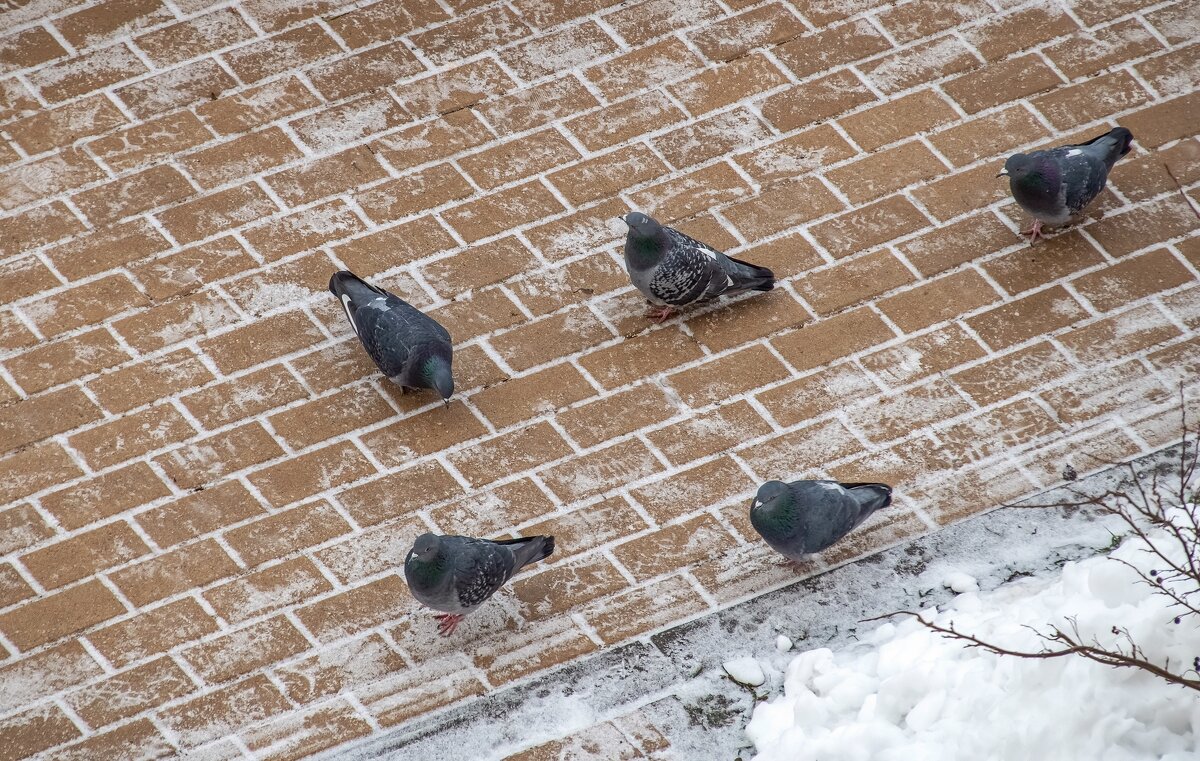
[[674, 270], [455, 574], [1055, 186], [805, 517], [407, 345]]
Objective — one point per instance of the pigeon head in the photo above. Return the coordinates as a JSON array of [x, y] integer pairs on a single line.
[[1018, 166], [437, 371], [773, 493], [427, 548], [646, 241]]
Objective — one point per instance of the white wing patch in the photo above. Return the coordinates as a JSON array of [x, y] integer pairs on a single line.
[[346, 306], [1073, 152]]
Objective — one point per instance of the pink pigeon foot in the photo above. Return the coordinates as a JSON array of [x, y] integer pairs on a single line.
[[659, 314], [448, 622], [1034, 232]]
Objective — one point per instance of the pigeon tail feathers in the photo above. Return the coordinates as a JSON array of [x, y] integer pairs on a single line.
[[346, 283], [1115, 143], [757, 278], [529, 549]]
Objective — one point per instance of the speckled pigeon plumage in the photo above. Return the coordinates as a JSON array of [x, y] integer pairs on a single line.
[[407, 345], [1056, 185], [456, 574], [804, 517], [673, 270]]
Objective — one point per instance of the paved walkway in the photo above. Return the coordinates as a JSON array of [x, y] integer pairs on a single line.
[[206, 490]]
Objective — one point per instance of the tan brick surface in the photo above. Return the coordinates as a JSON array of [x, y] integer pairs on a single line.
[[205, 481]]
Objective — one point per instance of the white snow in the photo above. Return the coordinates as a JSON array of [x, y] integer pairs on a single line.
[[745, 671], [961, 582], [906, 692], [783, 643]]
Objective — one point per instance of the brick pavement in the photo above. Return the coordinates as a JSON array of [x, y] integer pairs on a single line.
[[207, 491]]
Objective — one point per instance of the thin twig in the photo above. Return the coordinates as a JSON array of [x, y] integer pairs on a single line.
[[1186, 200]]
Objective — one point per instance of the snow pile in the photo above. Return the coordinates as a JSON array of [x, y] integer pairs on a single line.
[[910, 693]]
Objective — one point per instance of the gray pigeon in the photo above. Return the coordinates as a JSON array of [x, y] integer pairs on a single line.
[[804, 517], [455, 574], [407, 345], [674, 270], [1056, 185]]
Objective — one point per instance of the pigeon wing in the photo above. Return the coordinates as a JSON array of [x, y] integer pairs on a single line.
[[390, 328], [1083, 177], [480, 568]]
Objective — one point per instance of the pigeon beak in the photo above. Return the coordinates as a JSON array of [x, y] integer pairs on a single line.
[[1002, 173], [445, 402], [622, 218]]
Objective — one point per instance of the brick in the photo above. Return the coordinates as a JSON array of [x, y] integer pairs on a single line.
[[421, 689], [17, 102], [566, 49], [1000, 36], [435, 139], [84, 554], [1094, 99], [132, 436], [814, 395], [36, 180], [532, 395], [718, 379], [644, 609], [1170, 21], [478, 266], [211, 458], [839, 336], [1128, 387], [27, 49], [580, 232], [108, 20], [285, 51], [191, 316], [105, 248], [895, 416], [514, 160], [453, 89], [203, 34], [265, 339], [912, 114], [886, 171], [1121, 234], [243, 111], [693, 489], [1119, 336], [273, 16], [138, 384], [85, 73], [35, 730], [584, 529], [537, 342], [36, 227], [337, 668], [154, 187], [502, 210], [105, 495], [963, 192], [852, 281], [268, 589], [45, 673], [1147, 176], [240, 157], [415, 193], [199, 513], [217, 212], [1088, 52], [385, 20], [471, 34], [153, 632], [1031, 267], [717, 135], [547, 290], [561, 589], [248, 395], [1132, 279], [733, 37], [827, 48], [907, 23], [488, 513], [510, 453], [130, 692], [780, 207], [714, 88], [623, 121], [680, 545], [919, 357], [375, 550], [21, 525], [868, 226], [14, 335], [38, 417], [283, 533], [1181, 304], [302, 733], [944, 298], [550, 101], [327, 176], [644, 68], [235, 654], [59, 614], [219, 713], [1037, 314], [308, 474], [13, 588], [920, 63], [53, 127], [423, 434], [60, 361], [360, 117], [196, 82], [486, 311], [24, 277], [1012, 373], [950, 245], [709, 433], [195, 565], [991, 135], [693, 192], [590, 742], [1164, 121], [330, 416], [799, 454], [357, 609], [400, 493], [140, 738], [192, 267], [395, 245], [304, 230]]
